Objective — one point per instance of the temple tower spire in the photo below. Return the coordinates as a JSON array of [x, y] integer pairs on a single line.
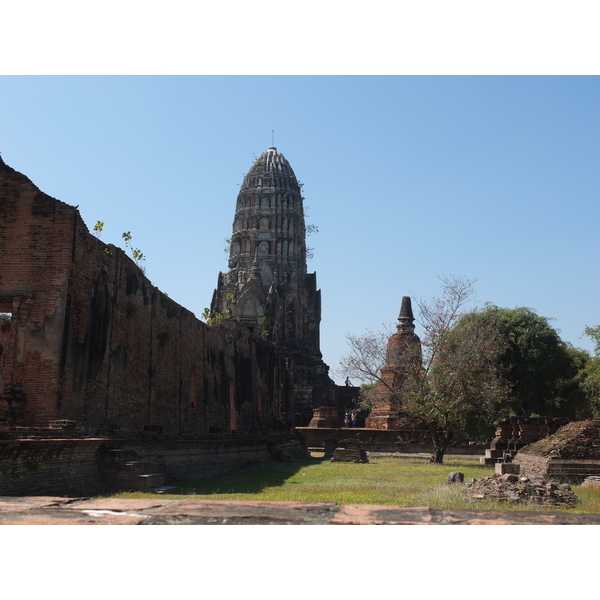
[[267, 287], [267, 284], [269, 220]]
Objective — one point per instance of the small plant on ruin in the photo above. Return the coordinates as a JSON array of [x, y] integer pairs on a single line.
[[209, 318], [232, 305], [98, 227], [265, 333], [136, 253], [311, 229], [214, 318]]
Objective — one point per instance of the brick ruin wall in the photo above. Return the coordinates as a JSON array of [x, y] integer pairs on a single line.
[[74, 467], [91, 340], [381, 440], [549, 467], [49, 467]]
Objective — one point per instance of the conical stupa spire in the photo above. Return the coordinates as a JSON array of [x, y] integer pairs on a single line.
[[406, 309], [406, 319]]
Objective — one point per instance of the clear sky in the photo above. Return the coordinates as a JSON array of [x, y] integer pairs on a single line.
[[407, 178]]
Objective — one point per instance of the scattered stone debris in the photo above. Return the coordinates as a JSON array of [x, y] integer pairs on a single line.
[[591, 481], [524, 490], [456, 477]]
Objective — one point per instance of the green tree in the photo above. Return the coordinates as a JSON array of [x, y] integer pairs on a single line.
[[574, 400], [591, 377], [365, 397], [594, 334], [536, 361]]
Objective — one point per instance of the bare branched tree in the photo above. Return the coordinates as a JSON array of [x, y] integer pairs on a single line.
[[366, 357], [458, 383]]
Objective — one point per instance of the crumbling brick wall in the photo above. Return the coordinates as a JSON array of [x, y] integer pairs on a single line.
[[90, 338], [36, 246]]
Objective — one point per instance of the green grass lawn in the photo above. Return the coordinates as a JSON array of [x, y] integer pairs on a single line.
[[384, 480]]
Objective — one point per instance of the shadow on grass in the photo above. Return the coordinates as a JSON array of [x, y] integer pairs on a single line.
[[244, 480]]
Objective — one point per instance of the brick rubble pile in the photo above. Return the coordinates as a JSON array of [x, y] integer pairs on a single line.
[[524, 490]]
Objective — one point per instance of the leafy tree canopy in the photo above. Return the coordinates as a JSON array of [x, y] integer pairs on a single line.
[[590, 377], [594, 334], [536, 362]]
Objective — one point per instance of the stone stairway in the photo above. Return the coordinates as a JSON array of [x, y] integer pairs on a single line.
[[135, 475], [122, 471], [492, 457]]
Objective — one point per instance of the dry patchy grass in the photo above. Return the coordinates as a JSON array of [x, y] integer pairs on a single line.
[[384, 481]]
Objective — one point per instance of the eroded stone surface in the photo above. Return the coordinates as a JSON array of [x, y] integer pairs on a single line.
[[119, 511]]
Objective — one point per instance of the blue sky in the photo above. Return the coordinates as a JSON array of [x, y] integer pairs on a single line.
[[407, 178]]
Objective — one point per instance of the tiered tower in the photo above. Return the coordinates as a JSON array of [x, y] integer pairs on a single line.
[[267, 287], [403, 346]]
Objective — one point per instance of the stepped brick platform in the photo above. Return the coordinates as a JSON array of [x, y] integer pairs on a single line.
[[49, 510], [572, 452]]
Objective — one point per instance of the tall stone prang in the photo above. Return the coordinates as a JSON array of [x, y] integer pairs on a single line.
[[403, 346], [267, 287]]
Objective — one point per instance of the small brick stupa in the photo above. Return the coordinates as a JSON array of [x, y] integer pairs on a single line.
[[573, 452], [402, 345]]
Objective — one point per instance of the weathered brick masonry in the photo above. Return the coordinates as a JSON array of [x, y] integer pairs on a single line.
[[91, 340], [82, 466]]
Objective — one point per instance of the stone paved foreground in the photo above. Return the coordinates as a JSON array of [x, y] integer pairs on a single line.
[[49, 510]]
